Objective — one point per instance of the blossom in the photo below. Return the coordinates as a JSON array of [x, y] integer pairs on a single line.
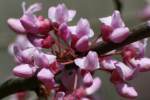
[[81, 34], [90, 62], [29, 23], [126, 90], [113, 28], [60, 14], [67, 67]]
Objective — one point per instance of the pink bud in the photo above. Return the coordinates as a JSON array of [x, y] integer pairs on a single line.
[[23, 70]]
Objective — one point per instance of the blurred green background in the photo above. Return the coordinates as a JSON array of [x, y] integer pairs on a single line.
[[91, 9]]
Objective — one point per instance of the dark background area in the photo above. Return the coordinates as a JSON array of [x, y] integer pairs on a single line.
[[91, 9]]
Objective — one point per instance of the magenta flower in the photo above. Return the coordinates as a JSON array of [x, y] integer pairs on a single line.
[[60, 14], [113, 28]]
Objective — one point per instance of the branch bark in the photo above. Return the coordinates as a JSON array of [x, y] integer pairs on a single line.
[[118, 5], [32, 84], [17, 85]]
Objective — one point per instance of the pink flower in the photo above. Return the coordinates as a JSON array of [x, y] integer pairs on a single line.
[[90, 62], [81, 34], [29, 23], [113, 28], [135, 50], [142, 63], [108, 63], [60, 14], [125, 72], [126, 91], [44, 60]]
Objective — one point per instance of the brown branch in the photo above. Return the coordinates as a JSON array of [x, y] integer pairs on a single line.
[[17, 84], [118, 5]]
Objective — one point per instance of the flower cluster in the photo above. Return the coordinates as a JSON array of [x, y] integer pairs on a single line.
[[54, 53]]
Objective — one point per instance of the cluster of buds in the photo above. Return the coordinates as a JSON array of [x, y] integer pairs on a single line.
[[54, 53]]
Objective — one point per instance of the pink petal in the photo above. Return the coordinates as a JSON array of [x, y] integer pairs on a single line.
[[119, 35], [36, 41], [80, 62], [34, 8], [61, 14], [88, 79], [16, 25], [27, 54], [126, 91], [64, 32], [23, 70], [71, 14], [108, 64], [117, 20], [45, 75], [51, 14], [125, 72], [44, 60], [82, 44], [29, 22], [106, 20], [144, 64], [90, 62], [83, 28], [94, 87]]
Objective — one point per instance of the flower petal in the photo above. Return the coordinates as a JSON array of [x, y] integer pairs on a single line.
[[83, 28], [45, 75], [117, 20], [126, 91], [82, 44], [119, 35], [16, 25], [94, 87], [24, 71]]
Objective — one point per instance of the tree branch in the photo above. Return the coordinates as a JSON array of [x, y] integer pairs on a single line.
[[17, 84], [139, 32], [118, 5]]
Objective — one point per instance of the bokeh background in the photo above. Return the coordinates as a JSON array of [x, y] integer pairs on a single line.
[[91, 9]]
